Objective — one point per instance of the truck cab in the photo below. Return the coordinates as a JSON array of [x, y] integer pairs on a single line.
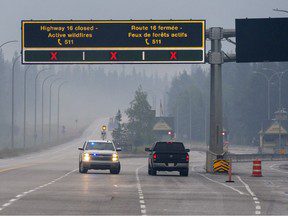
[[168, 156]]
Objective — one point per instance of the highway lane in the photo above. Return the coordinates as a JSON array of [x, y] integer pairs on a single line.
[[49, 183]]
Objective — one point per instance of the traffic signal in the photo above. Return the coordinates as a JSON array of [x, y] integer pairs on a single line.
[[224, 133], [104, 128], [171, 134]]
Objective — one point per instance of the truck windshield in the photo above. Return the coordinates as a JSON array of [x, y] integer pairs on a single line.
[[169, 147], [99, 146]]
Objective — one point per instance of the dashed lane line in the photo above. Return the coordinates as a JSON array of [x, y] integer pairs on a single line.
[[140, 193], [254, 197], [25, 193]]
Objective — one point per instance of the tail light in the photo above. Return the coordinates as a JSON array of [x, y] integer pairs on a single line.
[[187, 157], [154, 156]]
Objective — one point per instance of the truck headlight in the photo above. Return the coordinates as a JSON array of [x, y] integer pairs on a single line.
[[86, 157], [115, 157]]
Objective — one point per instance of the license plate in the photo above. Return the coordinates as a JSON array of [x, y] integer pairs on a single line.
[[170, 164]]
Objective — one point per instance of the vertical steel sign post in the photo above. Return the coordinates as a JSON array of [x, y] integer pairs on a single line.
[[216, 58]]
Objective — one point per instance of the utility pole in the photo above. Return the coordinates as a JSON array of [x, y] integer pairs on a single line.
[[58, 110], [13, 103], [216, 59]]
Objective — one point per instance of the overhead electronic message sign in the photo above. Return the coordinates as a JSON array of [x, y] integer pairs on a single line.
[[262, 40], [110, 42]]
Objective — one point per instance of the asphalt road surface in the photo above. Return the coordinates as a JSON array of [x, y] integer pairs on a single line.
[[48, 182]]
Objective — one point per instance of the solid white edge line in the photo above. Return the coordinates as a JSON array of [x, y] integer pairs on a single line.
[[246, 186], [225, 185], [258, 206]]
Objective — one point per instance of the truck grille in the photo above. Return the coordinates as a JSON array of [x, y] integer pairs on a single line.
[[100, 157]]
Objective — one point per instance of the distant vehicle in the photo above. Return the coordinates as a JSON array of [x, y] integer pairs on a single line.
[[99, 155], [168, 156]]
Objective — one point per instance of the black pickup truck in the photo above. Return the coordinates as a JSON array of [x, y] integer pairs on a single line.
[[168, 156]]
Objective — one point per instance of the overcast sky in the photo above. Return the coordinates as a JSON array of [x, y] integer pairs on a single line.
[[216, 12]]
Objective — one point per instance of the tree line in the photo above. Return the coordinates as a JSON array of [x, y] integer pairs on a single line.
[[245, 100]]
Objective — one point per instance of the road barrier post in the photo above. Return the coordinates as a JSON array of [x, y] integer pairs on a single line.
[[257, 168], [230, 172]]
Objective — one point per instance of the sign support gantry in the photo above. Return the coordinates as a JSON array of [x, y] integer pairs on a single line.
[[216, 57]]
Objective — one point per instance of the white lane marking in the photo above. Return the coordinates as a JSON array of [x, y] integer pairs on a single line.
[[140, 193], [255, 199], [6, 204], [20, 196], [272, 167], [238, 191], [247, 187]]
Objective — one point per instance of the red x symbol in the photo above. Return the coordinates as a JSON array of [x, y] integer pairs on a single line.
[[173, 55], [53, 56], [113, 56]]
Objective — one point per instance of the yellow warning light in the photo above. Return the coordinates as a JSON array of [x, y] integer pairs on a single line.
[[104, 128]]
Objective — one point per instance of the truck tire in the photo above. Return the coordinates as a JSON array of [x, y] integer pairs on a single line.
[[151, 171], [82, 169], [115, 170], [184, 172]]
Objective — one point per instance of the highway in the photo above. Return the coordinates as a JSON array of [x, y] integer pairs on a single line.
[[48, 182]]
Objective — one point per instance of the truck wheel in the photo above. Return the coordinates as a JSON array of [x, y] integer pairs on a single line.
[[82, 169], [149, 170], [115, 170], [184, 172], [153, 172]]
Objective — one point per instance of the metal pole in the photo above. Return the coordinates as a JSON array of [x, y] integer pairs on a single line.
[[205, 123], [12, 108], [7, 42], [50, 104], [177, 122], [42, 119], [35, 105], [280, 10], [24, 118], [268, 99], [216, 61], [58, 110], [190, 123], [279, 92]]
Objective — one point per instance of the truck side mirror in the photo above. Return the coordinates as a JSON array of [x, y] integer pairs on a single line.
[[187, 150], [147, 149], [81, 149]]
